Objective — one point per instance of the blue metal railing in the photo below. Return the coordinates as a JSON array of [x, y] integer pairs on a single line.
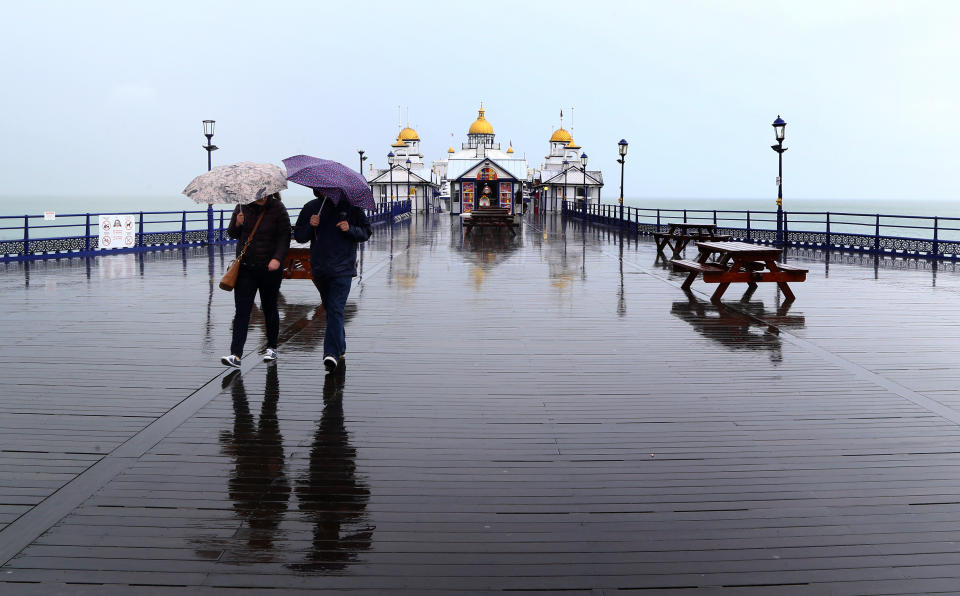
[[30, 237], [932, 237]]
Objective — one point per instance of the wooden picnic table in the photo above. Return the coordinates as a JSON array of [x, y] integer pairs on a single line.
[[489, 217], [739, 262], [297, 263], [678, 235]]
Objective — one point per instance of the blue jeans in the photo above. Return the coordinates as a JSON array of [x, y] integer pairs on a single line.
[[333, 293]]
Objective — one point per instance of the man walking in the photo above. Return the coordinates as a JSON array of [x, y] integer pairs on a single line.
[[333, 230]]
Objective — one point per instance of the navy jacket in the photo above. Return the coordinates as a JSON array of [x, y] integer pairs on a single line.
[[333, 253]]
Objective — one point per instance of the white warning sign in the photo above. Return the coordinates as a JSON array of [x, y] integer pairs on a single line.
[[117, 231]]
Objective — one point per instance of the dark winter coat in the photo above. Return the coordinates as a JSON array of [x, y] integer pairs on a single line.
[[333, 253], [272, 240]]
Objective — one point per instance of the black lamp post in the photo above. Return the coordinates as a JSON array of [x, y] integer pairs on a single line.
[[583, 162], [409, 163], [362, 159], [390, 157], [208, 126], [566, 166], [779, 130], [622, 148]]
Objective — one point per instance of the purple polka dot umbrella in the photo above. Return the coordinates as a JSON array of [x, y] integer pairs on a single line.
[[327, 175]]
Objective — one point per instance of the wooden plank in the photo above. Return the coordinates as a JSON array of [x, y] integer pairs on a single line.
[[810, 451]]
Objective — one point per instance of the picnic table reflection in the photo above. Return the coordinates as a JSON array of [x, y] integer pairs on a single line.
[[298, 329], [736, 330]]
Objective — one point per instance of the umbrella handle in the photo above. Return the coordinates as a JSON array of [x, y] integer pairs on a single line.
[[316, 229]]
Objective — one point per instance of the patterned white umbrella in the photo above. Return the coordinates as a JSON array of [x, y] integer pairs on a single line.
[[243, 182]]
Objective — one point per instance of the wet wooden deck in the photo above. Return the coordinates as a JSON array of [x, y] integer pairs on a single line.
[[546, 413]]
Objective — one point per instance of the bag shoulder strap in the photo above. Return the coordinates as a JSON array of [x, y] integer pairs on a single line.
[[252, 232]]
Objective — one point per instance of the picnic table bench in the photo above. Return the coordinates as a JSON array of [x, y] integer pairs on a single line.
[[739, 262], [297, 263], [678, 235], [489, 217]]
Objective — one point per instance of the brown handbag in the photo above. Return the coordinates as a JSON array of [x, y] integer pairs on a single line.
[[229, 279]]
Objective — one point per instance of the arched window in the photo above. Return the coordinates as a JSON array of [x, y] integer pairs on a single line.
[[487, 174]]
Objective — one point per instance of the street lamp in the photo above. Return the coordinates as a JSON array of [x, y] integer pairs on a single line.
[[622, 147], [208, 126], [583, 161], [390, 163], [409, 163], [362, 159], [779, 131]]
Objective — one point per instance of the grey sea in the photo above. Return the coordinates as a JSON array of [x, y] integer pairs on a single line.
[[12, 210]]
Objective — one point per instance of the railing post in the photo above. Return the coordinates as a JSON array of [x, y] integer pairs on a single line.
[[183, 229], [140, 233], [876, 236], [658, 220], [936, 237], [86, 234], [780, 220], [221, 225], [714, 217], [828, 231], [26, 236], [748, 226], [785, 239], [684, 216], [210, 223]]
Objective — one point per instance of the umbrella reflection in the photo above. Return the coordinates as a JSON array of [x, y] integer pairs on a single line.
[[331, 494], [258, 485]]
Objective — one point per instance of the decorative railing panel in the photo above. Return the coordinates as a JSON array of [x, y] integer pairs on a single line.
[[28, 237]]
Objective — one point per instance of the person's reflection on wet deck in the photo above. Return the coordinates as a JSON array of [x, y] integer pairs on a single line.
[[258, 485], [331, 495]]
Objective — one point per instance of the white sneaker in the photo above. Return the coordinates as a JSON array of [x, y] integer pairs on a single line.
[[270, 355], [330, 363], [230, 360]]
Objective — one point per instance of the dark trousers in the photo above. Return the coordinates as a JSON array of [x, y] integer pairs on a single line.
[[249, 281], [333, 293]]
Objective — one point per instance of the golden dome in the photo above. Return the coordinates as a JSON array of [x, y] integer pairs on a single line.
[[573, 144], [561, 136], [408, 134], [480, 126], [399, 143], [450, 150], [510, 150]]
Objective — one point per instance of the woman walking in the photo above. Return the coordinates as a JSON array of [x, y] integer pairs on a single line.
[[268, 222]]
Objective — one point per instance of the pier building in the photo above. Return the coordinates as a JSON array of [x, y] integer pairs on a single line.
[[481, 173], [564, 176], [405, 176]]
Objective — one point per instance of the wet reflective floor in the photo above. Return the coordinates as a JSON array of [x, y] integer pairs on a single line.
[[549, 412]]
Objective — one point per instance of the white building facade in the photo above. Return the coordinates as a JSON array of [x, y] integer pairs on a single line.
[[481, 174], [563, 176], [405, 176]]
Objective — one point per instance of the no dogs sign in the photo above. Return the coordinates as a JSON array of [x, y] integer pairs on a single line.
[[117, 231]]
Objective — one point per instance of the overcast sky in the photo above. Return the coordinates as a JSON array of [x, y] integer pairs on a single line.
[[108, 97]]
